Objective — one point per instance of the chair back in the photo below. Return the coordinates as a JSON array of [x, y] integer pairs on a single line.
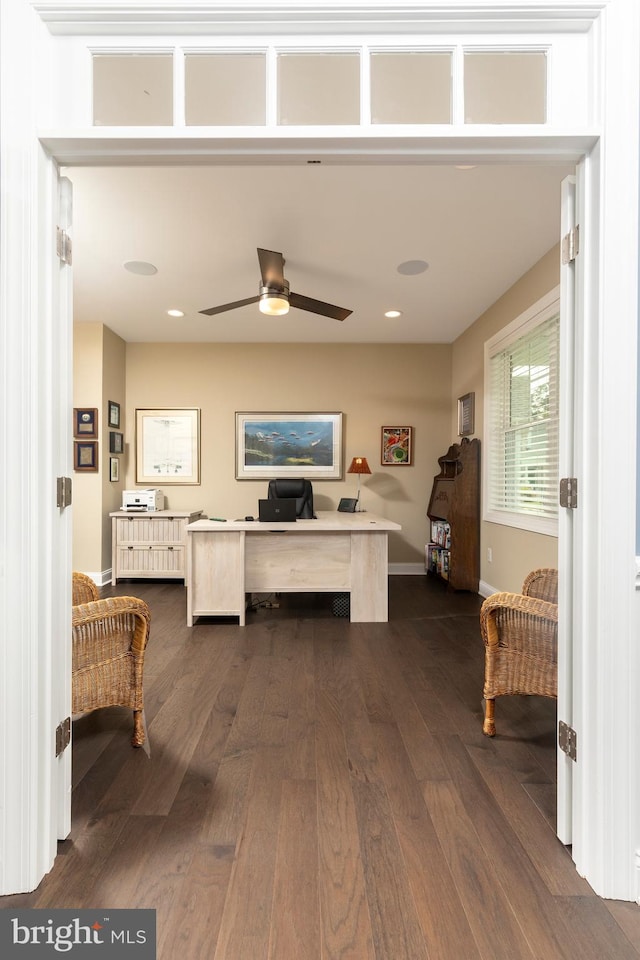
[[542, 584], [298, 489], [83, 589]]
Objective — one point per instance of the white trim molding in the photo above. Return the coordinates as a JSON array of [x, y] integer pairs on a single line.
[[290, 17]]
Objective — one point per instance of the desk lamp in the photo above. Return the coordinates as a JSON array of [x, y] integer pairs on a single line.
[[359, 466]]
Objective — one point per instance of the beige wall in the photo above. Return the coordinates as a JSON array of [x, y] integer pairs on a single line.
[[515, 552], [372, 385], [99, 376]]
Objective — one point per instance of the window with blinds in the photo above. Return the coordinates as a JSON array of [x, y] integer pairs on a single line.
[[522, 425]]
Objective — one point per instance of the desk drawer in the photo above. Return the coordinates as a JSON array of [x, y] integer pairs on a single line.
[[161, 560], [150, 529]]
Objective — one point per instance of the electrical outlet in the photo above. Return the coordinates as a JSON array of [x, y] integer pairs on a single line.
[[489, 555]]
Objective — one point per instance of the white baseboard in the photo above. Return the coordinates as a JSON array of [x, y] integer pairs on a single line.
[[485, 589], [100, 579], [407, 569]]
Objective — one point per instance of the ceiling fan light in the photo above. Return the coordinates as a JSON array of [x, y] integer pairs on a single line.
[[274, 300], [273, 304]]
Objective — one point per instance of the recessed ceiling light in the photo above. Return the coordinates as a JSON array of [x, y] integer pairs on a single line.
[[175, 313], [141, 267], [465, 166], [411, 268], [393, 313]]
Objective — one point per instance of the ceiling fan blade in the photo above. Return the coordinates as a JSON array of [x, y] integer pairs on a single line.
[[271, 268], [229, 306], [317, 306]]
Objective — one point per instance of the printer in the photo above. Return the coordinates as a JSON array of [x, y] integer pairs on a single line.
[[143, 501]]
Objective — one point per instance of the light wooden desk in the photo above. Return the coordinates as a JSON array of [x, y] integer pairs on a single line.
[[337, 553]]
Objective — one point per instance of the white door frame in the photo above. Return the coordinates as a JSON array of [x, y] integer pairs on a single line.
[[606, 817]]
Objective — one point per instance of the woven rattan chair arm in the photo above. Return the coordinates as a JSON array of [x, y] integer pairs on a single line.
[[528, 606], [103, 609]]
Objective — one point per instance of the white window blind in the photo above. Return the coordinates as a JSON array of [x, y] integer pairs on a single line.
[[523, 427]]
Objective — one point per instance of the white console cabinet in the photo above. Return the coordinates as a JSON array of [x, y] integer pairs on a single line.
[[150, 545]]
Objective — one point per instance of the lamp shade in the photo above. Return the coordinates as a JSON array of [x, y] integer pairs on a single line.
[[359, 465]]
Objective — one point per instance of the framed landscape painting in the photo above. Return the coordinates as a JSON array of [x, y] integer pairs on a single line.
[[288, 445]]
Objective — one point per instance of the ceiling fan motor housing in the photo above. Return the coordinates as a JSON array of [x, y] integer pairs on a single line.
[[275, 289]]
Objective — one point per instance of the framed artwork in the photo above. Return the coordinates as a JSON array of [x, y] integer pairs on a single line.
[[168, 445], [466, 414], [85, 456], [85, 423], [116, 442], [114, 469], [397, 447], [114, 414], [288, 445]]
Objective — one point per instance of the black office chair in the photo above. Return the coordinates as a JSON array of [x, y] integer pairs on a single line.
[[285, 488]]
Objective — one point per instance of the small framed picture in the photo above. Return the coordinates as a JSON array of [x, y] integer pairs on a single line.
[[114, 414], [114, 469], [85, 422], [116, 442], [466, 415], [85, 456], [397, 447]]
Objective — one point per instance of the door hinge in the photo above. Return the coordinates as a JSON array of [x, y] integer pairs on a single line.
[[63, 245], [571, 245], [63, 736], [567, 740], [569, 492], [63, 492]]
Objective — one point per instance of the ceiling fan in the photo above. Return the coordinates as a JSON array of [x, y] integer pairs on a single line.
[[274, 297]]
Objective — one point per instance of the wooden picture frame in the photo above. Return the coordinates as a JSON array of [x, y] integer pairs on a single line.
[[85, 456], [168, 445], [114, 469], [305, 445], [116, 442], [466, 414], [85, 423], [396, 447], [113, 414]]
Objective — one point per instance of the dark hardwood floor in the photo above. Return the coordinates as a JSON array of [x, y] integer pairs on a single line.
[[317, 790]]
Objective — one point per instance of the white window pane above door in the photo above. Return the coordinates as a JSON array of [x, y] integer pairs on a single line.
[[318, 88], [133, 89], [227, 89], [411, 87], [505, 87]]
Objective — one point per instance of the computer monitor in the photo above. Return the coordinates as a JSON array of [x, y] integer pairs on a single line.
[[298, 489]]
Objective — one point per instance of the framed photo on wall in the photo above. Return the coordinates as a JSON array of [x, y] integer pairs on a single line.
[[288, 445], [114, 469], [85, 456], [116, 442], [114, 414], [168, 445], [397, 447], [85, 423], [466, 414]]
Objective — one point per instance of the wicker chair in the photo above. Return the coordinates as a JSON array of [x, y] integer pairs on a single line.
[[83, 589], [109, 641], [520, 634]]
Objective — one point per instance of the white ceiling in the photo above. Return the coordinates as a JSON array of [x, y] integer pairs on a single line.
[[343, 230]]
